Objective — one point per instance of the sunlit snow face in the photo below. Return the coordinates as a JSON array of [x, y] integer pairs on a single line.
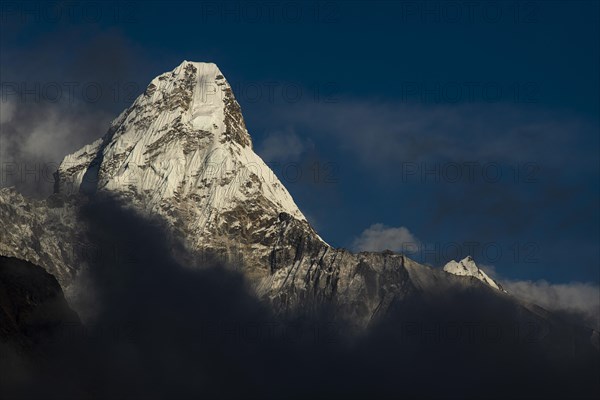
[[467, 267]]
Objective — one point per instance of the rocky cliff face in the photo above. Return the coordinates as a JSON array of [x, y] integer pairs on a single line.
[[45, 233]]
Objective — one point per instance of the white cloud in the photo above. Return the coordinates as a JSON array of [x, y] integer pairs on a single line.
[[7, 111], [379, 237], [580, 297], [282, 146]]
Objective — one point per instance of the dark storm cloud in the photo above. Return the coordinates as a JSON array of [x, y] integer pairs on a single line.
[[162, 330]]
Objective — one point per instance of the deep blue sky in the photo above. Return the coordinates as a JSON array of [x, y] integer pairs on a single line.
[[364, 90]]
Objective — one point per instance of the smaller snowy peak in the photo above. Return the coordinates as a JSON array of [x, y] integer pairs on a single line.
[[467, 267]]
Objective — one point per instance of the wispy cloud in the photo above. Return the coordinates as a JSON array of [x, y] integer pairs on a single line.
[[35, 138], [7, 111], [379, 237], [382, 134], [283, 146]]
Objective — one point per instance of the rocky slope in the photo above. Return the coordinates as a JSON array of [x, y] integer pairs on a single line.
[[46, 233]]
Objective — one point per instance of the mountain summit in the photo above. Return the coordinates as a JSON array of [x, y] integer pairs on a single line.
[[183, 141], [182, 151]]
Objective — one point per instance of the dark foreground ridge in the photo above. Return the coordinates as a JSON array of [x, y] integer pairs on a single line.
[[32, 304]]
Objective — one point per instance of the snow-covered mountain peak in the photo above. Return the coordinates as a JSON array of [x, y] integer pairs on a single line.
[[182, 151], [468, 267]]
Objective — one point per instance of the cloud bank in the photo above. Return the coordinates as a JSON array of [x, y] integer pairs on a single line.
[[382, 134], [578, 297]]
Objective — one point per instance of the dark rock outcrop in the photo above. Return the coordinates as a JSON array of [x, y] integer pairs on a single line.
[[33, 309]]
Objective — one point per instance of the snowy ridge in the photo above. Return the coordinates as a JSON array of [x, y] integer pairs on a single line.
[[467, 267]]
